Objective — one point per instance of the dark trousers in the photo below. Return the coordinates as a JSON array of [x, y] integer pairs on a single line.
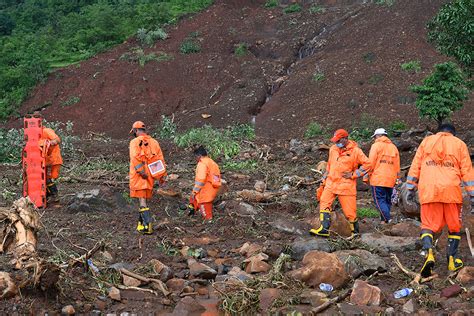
[[383, 201]]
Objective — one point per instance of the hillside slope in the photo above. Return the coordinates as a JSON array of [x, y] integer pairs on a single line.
[[359, 51]]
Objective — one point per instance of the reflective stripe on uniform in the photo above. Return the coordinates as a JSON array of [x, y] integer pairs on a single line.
[[198, 183], [454, 237], [468, 183], [139, 166], [196, 189], [414, 179], [410, 186]]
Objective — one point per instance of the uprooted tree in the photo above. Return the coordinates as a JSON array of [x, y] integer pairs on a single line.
[[442, 93]]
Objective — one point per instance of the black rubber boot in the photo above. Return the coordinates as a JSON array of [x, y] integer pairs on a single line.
[[145, 220], [454, 263], [51, 188], [323, 230], [427, 241]]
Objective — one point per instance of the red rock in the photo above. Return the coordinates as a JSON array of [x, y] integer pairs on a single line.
[[466, 275], [200, 270], [114, 294], [203, 291], [256, 264], [129, 281], [176, 285], [339, 224], [451, 291], [212, 253], [321, 267], [260, 186], [68, 310], [365, 294], [405, 229], [267, 297], [248, 249], [188, 306]]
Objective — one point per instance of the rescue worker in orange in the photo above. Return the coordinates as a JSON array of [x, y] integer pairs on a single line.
[[441, 164], [385, 161], [206, 185], [49, 143], [339, 181], [143, 148]]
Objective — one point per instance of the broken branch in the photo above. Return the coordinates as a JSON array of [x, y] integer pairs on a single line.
[[142, 278]]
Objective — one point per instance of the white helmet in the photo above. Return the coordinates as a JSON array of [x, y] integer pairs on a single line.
[[380, 131]]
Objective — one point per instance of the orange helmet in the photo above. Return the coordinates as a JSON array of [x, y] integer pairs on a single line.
[[137, 124], [340, 133]]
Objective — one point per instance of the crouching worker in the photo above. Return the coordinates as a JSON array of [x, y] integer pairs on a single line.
[[49, 143], [146, 164], [340, 181], [206, 185], [441, 164]]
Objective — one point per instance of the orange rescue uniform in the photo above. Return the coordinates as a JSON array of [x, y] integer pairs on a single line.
[[204, 192], [342, 160], [440, 165], [53, 155], [141, 149], [385, 161]]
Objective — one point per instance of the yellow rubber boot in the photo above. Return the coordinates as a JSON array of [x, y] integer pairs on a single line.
[[454, 263], [428, 266], [323, 229]]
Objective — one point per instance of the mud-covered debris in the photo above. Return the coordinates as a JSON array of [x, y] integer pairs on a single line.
[[161, 269], [365, 294], [114, 294], [292, 227], [409, 307], [8, 288], [360, 261], [249, 249], [260, 186], [267, 297], [129, 281], [257, 264], [68, 310], [390, 243], [466, 276], [200, 270], [255, 196]]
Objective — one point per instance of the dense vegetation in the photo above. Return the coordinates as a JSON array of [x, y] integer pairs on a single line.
[[39, 35]]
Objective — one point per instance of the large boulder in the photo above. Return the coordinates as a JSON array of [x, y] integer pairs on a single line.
[[321, 267], [360, 261], [302, 246], [389, 244], [339, 224], [292, 227], [466, 276], [365, 294], [405, 229]]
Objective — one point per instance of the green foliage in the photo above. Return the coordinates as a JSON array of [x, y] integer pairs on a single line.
[[190, 46], [318, 76], [245, 165], [452, 31], [65, 132], [316, 9], [397, 126], [442, 92], [314, 129], [241, 50], [412, 66], [365, 212], [375, 79], [388, 3], [363, 129], [37, 35], [167, 128], [295, 7], [71, 100], [148, 38], [272, 3], [219, 143], [369, 57], [139, 56]]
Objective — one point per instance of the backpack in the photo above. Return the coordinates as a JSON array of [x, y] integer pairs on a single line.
[[156, 166]]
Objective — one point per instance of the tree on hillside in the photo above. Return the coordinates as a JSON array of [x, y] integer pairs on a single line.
[[452, 31], [6, 24], [442, 92]]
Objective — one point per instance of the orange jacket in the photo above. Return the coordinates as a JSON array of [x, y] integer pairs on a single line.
[[342, 160], [203, 190], [440, 164], [141, 149], [53, 156], [385, 161]]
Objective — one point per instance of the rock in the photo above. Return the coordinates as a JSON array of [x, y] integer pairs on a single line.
[[314, 298], [203, 291], [239, 274], [114, 294], [101, 200], [68, 310], [188, 306], [390, 311], [200, 270], [248, 249], [267, 297], [404, 145], [242, 208], [129, 281], [390, 243], [466, 275], [302, 246], [349, 309], [407, 207], [188, 289], [451, 291], [405, 229], [200, 241], [256, 264], [8, 288], [255, 196], [409, 307], [260, 186], [321, 267], [162, 269], [292, 227], [360, 261], [172, 177], [297, 147], [122, 265], [176, 285], [365, 294], [361, 186]]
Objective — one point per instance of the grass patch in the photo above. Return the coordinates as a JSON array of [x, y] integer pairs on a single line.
[[72, 100], [366, 212], [190, 46], [412, 66], [388, 3], [318, 76], [241, 50], [314, 129], [139, 56], [369, 57], [148, 38], [295, 7], [245, 165], [375, 79], [314, 9], [397, 126], [271, 3], [364, 128]]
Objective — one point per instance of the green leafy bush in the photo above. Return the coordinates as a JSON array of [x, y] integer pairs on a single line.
[[71, 100], [272, 3], [442, 93], [139, 56], [295, 7], [318, 76], [190, 46], [452, 31], [412, 66], [167, 128], [314, 129], [363, 129], [148, 38], [244, 165], [316, 9], [397, 126], [241, 50]]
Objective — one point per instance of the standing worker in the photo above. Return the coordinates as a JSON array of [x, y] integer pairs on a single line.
[[440, 164], [144, 150], [49, 143], [385, 161], [340, 181], [206, 185]]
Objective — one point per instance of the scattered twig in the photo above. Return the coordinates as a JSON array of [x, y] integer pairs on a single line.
[[336, 299], [142, 278], [417, 279], [83, 259], [469, 241]]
